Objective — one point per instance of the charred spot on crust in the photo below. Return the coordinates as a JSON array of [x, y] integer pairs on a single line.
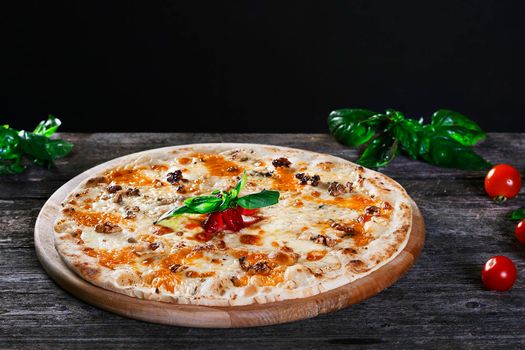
[[221, 245], [346, 230], [356, 266], [349, 251], [130, 215], [113, 188], [304, 179], [336, 189], [261, 267], [107, 227], [236, 281], [324, 240], [386, 206], [95, 181], [281, 162], [177, 268], [132, 192], [372, 210], [68, 210], [117, 198], [174, 177], [154, 245]]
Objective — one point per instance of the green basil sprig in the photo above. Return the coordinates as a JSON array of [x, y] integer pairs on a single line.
[[446, 141], [36, 146], [222, 200], [518, 214]]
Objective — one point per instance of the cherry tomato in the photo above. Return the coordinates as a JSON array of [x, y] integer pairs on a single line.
[[214, 223], [503, 181], [520, 231], [499, 273], [247, 212], [233, 219]]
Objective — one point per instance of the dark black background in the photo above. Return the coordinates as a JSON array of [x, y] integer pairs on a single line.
[[257, 66]]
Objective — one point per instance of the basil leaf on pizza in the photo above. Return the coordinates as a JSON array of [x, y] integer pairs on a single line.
[[262, 199], [220, 201]]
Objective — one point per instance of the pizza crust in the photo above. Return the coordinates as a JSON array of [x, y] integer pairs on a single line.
[[342, 264]]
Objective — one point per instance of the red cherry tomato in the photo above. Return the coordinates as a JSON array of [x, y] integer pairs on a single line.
[[214, 223], [232, 219], [247, 212], [520, 231], [499, 273], [503, 181]]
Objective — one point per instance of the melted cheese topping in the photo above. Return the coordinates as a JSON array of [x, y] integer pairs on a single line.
[[308, 237]]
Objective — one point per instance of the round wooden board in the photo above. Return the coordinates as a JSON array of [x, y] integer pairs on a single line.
[[207, 316]]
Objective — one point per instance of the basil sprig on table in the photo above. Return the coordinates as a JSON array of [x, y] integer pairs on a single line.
[[36, 146], [518, 214], [447, 141], [222, 200]]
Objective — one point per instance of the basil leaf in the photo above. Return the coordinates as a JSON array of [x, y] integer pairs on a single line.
[[380, 151], [240, 185], [353, 127], [42, 149], [176, 211], [9, 141], [518, 214], [58, 148], [408, 134], [394, 116], [264, 198], [228, 200], [457, 126], [446, 152], [47, 127], [11, 167], [35, 146], [203, 204]]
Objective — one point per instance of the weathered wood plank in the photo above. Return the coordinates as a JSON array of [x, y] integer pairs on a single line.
[[440, 302]]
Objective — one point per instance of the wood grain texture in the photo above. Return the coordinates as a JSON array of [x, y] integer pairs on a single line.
[[207, 316], [440, 302]]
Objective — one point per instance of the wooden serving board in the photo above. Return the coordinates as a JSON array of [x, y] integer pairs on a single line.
[[208, 316]]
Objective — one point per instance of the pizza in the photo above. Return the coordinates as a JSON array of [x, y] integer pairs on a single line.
[[144, 226]]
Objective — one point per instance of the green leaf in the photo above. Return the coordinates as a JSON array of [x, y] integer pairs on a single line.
[[34, 145], [446, 152], [240, 185], [394, 116], [228, 200], [43, 149], [9, 142], [518, 214], [457, 126], [12, 166], [58, 148], [353, 127], [264, 198], [175, 211], [47, 127], [408, 134], [380, 151], [203, 204]]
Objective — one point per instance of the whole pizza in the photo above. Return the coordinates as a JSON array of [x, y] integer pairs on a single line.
[[231, 224]]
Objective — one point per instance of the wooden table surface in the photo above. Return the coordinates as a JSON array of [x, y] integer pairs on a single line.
[[439, 303]]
